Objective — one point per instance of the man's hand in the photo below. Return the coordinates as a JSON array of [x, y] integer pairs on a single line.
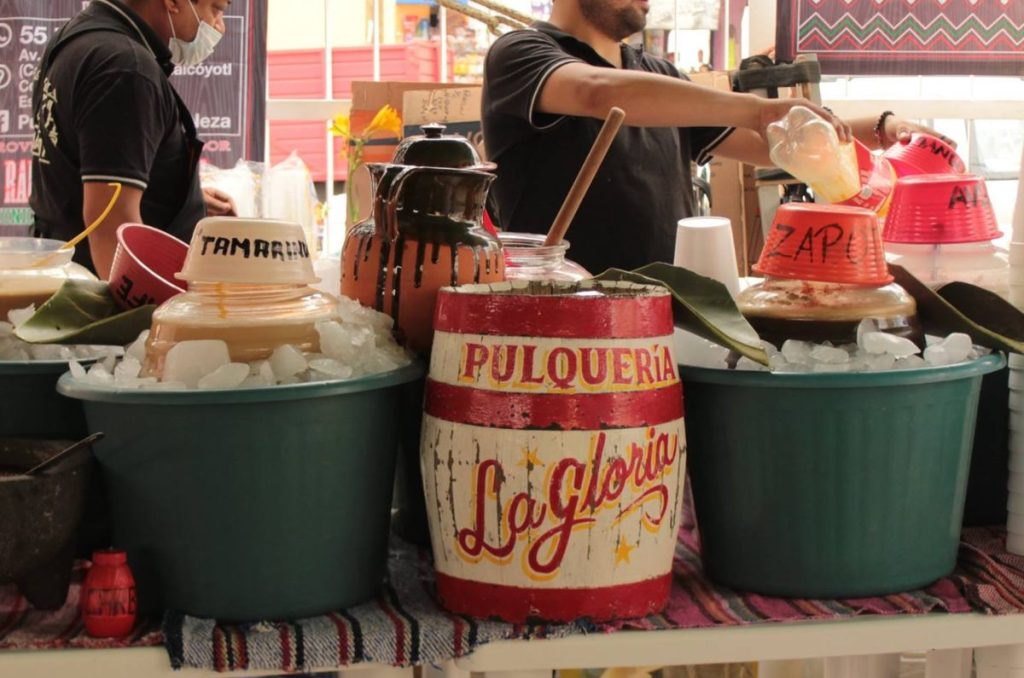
[[218, 203], [898, 130], [775, 109]]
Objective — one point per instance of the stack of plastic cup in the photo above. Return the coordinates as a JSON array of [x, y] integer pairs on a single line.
[[1015, 503], [704, 245]]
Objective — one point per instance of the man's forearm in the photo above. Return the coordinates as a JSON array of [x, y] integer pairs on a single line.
[[103, 240], [648, 99], [653, 100]]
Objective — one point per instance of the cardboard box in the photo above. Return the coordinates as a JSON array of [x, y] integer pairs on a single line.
[[733, 194], [418, 103]]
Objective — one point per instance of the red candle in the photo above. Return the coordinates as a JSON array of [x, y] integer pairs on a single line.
[[108, 596]]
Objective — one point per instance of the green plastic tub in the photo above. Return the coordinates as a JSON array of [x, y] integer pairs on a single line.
[[249, 504], [30, 406], [831, 485]]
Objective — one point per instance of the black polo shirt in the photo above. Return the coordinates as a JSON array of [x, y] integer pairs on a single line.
[[628, 218], [105, 111]]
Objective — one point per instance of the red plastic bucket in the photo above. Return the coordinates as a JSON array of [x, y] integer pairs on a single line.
[[552, 451]]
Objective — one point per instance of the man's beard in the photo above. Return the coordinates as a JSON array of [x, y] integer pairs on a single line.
[[615, 23]]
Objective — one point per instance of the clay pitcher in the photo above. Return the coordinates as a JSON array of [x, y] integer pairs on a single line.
[[426, 232]]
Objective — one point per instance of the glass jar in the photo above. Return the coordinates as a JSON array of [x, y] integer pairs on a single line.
[[527, 258], [32, 269], [980, 263], [252, 319], [781, 309]]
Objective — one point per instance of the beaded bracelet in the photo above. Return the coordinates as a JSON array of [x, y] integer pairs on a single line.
[[880, 127]]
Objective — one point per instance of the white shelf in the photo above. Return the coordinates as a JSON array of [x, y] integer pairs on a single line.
[[870, 635]]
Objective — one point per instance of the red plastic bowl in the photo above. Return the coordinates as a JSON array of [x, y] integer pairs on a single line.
[[826, 243], [940, 209], [924, 154], [145, 262]]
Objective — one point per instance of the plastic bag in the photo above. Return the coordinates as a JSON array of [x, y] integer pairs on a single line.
[[243, 183], [289, 195]]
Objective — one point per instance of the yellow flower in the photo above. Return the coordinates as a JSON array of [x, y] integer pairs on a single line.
[[340, 126], [386, 120]]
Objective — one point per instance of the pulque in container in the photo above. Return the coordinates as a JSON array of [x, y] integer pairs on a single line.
[[249, 286], [825, 271], [426, 231], [32, 269], [553, 451]]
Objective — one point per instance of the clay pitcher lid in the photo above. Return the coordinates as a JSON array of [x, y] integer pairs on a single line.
[[434, 148]]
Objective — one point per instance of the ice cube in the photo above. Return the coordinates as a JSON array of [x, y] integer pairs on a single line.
[[745, 363], [77, 371], [938, 355], [190, 361], [959, 347], [829, 355], [45, 352], [832, 367], [691, 349], [334, 341], [797, 351], [287, 361], [13, 351], [165, 386], [17, 316], [911, 362], [127, 371], [331, 369], [879, 362], [226, 376], [866, 326], [883, 342], [98, 374], [137, 349]]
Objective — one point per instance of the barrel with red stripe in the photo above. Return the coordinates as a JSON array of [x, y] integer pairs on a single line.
[[552, 450]]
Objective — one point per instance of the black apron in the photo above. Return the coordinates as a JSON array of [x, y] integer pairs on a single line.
[[184, 223]]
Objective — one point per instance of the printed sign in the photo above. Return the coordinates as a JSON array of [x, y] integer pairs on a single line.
[[226, 94], [552, 508]]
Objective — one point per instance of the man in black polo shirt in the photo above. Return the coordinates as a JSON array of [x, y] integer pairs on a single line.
[[106, 112], [546, 92]]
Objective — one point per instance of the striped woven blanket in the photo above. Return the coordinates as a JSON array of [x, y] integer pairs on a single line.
[[404, 626]]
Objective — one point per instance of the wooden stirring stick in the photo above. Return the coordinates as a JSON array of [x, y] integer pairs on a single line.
[[586, 175]]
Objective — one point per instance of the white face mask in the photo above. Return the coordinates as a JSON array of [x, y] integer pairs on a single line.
[[195, 52]]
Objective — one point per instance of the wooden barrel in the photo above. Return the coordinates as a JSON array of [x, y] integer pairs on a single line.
[[552, 450]]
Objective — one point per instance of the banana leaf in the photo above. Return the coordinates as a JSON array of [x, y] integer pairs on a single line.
[[84, 312], [701, 305], [989, 319]]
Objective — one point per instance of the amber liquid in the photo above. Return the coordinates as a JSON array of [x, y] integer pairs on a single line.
[[838, 332], [14, 300], [245, 344]]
